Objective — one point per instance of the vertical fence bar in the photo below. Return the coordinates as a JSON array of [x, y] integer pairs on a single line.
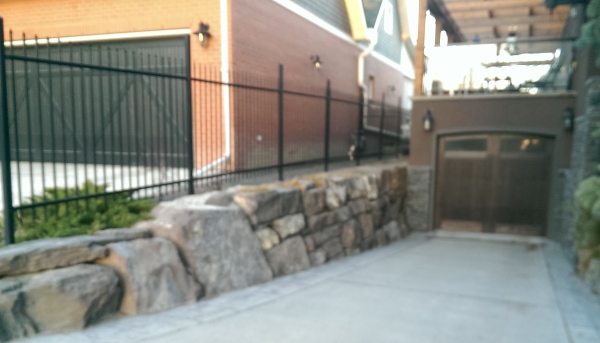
[[381, 126], [327, 123], [9, 221], [280, 123], [399, 127], [360, 132], [190, 114]]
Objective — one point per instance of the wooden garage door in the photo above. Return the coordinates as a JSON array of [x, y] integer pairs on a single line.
[[493, 183]]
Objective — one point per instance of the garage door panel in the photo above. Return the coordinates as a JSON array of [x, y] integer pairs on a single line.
[[495, 183]]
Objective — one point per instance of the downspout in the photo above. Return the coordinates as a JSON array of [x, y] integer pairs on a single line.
[[226, 95]]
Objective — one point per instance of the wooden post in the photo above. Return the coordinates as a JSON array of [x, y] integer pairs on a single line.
[[420, 49], [439, 27]]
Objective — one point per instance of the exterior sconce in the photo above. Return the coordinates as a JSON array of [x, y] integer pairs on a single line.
[[569, 119], [428, 121], [316, 60], [203, 34]]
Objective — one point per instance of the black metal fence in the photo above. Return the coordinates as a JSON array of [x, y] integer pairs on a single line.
[[158, 125]]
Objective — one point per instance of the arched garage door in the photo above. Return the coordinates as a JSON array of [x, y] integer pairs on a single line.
[[493, 183]]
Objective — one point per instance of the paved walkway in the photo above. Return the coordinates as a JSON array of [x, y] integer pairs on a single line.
[[420, 290]]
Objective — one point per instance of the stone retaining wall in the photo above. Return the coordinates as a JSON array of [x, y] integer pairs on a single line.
[[199, 246]]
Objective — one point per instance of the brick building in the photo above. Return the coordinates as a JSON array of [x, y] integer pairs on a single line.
[[253, 36]]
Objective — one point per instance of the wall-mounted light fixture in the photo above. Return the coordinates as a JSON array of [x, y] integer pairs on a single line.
[[568, 119], [428, 121], [203, 34], [316, 60]]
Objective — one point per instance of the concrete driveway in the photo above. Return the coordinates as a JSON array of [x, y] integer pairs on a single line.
[[456, 289]]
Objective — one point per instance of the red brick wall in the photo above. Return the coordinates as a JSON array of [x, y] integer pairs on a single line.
[[265, 34]]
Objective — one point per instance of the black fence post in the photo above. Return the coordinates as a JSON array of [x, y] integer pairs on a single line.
[[327, 123], [381, 126], [399, 127], [360, 133], [9, 220], [280, 122], [190, 114]]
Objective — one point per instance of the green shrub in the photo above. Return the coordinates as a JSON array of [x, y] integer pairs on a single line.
[[587, 230], [80, 216]]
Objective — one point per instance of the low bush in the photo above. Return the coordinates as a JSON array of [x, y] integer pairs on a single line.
[[587, 230], [79, 217]]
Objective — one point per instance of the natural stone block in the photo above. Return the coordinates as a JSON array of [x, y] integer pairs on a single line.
[[381, 237], [351, 251], [333, 247], [115, 235], [331, 200], [268, 238], [338, 190], [359, 206], [350, 234], [314, 201], [52, 253], [289, 257], [392, 231], [372, 188], [291, 201], [418, 198], [57, 300], [306, 185], [215, 198], [328, 233], [377, 216], [366, 224], [310, 244], [218, 244], [368, 243], [321, 220], [290, 225], [343, 214], [357, 188], [260, 207], [317, 257], [154, 277]]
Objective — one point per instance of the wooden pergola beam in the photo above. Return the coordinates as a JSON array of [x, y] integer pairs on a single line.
[[516, 20], [478, 5]]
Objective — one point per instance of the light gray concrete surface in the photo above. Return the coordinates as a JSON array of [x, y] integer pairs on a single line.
[[419, 290]]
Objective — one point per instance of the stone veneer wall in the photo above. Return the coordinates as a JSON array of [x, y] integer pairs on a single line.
[[418, 207], [201, 246]]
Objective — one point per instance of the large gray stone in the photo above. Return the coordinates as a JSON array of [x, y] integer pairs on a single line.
[[260, 207], [290, 225], [317, 257], [366, 224], [52, 253], [392, 231], [358, 188], [215, 198], [57, 300], [343, 214], [381, 237], [333, 248], [268, 237], [218, 244], [289, 257], [154, 276], [332, 201], [350, 234], [359, 206], [314, 201], [321, 220], [291, 201], [116, 235], [328, 233]]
